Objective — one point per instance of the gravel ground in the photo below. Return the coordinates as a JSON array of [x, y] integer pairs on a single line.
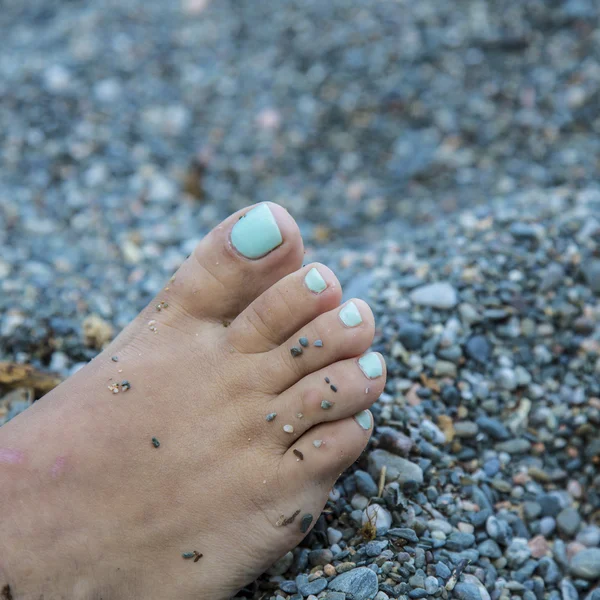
[[464, 135]]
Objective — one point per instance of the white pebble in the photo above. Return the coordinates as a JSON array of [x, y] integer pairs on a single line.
[[318, 443], [288, 429]]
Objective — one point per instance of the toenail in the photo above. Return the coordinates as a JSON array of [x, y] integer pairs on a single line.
[[314, 281], [256, 233], [363, 418], [350, 315], [326, 405], [296, 351], [370, 365], [303, 342]]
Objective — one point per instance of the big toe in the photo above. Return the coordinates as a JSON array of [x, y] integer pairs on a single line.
[[236, 262]]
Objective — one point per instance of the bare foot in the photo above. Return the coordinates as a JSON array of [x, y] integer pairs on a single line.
[[213, 426]]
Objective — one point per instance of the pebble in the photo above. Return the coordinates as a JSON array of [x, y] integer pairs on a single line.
[[517, 552], [467, 591], [478, 348], [398, 469], [359, 584], [568, 522], [411, 335], [586, 564], [379, 517], [440, 295], [365, 484], [306, 587]]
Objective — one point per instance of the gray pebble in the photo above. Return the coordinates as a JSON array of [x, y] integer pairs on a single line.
[[359, 584], [440, 295], [365, 484], [586, 564], [307, 588], [568, 522]]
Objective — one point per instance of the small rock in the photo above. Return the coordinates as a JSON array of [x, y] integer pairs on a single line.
[[489, 549], [539, 546], [478, 348], [358, 584], [516, 446], [441, 570], [517, 552], [306, 587], [568, 590], [467, 591], [365, 484], [398, 469], [466, 429], [411, 335], [379, 516], [568, 522], [282, 565], [494, 428], [320, 557], [405, 533], [437, 295], [586, 564]]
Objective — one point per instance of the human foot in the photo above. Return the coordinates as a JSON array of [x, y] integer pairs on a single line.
[[215, 423]]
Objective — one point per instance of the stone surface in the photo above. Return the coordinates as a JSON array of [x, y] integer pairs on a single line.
[[358, 584]]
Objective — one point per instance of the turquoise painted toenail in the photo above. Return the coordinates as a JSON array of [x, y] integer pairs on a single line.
[[256, 233], [370, 365], [350, 315], [363, 418], [314, 281]]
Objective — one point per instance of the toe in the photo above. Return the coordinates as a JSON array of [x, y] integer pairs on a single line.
[[236, 262], [325, 451], [312, 401], [286, 306], [344, 332]]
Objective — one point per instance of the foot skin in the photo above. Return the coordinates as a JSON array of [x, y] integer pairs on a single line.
[[232, 425]]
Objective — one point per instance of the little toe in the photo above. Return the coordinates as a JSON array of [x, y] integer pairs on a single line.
[[236, 262], [336, 392], [344, 332], [286, 306], [326, 450]]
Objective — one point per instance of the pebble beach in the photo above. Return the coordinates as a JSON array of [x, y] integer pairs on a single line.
[[442, 158]]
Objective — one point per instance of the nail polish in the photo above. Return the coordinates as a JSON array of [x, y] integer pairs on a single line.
[[314, 281], [256, 233], [350, 315], [370, 365], [363, 418]]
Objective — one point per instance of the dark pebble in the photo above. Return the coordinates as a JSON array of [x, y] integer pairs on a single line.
[[478, 348], [295, 351], [305, 522]]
